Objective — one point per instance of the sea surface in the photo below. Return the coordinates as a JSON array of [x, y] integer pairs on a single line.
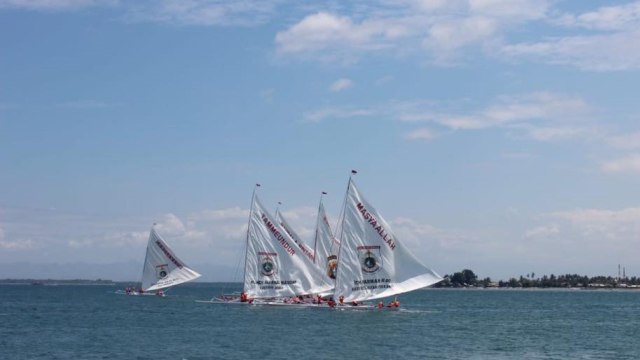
[[92, 322]]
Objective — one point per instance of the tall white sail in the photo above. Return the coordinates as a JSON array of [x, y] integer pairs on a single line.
[[373, 263], [274, 266], [294, 235], [162, 268], [326, 246]]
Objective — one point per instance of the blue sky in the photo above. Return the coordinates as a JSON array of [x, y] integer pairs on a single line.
[[497, 135]]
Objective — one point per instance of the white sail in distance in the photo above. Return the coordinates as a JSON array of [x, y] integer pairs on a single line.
[[373, 263], [294, 235], [162, 268], [326, 246], [274, 266]]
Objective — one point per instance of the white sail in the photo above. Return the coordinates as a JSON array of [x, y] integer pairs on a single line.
[[162, 268], [373, 263], [326, 246], [294, 235], [274, 267]]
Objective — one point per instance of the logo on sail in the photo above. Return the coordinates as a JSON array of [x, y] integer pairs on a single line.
[[370, 258], [267, 262], [332, 266], [162, 271]]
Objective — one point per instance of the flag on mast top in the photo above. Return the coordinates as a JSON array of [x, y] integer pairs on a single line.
[[353, 172]]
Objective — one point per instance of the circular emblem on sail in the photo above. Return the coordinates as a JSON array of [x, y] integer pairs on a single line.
[[162, 271], [332, 266], [370, 258], [268, 266]]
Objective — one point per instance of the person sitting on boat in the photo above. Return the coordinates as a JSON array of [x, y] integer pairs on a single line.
[[331, 303], [380, 305], [394, 304], [341, 299], [354, 303], [319, 300], [160, 293], [243, 297]]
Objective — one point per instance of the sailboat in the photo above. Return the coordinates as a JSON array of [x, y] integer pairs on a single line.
[[275, 268], [372, 261], [162, 268], [325, 245], [294, 235]]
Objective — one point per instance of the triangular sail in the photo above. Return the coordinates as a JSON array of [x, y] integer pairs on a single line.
[[162, 268], [274, 267], [373, 263], [326, 246], [294, 235]]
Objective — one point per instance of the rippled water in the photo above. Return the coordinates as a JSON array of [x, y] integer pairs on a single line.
[[91, 322]]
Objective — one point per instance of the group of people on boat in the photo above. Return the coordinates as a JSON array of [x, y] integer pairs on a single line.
[[245, 298], [133, 291], [140, 291], [395, 303]]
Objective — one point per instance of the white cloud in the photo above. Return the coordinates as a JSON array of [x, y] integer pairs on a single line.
[[421, 134], [614, 225], [53, 4], [626, 141], [630, 163], [18, 244], [336, 113], [324, 30], [508, 110], [180, 12], [609, 52], [233, 213], [341, 84], [170, 224], [546, 231], [203, 12], [441, 27], [617, 17], [613, 45], [560, 133]]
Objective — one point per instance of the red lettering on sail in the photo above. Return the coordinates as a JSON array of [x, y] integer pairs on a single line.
[[168, 254], [377, 227], [281, 239]]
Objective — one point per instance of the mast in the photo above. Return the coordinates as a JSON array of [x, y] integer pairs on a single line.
[[344, 207], [246, 245], [315, 240], [146, 254]]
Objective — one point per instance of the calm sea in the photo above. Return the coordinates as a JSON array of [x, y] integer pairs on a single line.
[[91, 322]]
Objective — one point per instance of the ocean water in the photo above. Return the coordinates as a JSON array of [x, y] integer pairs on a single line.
[[91, 322]]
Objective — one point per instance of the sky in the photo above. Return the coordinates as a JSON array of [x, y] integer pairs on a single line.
[[501, 136]]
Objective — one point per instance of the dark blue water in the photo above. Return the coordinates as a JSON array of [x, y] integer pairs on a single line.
[[91, 322]]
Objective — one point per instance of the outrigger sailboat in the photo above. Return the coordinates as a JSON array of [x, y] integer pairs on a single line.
[[367, 263], [162, 269], [372, 262], [275, 268]]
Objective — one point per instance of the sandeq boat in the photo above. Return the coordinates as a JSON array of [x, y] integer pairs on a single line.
[[162, 269]]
